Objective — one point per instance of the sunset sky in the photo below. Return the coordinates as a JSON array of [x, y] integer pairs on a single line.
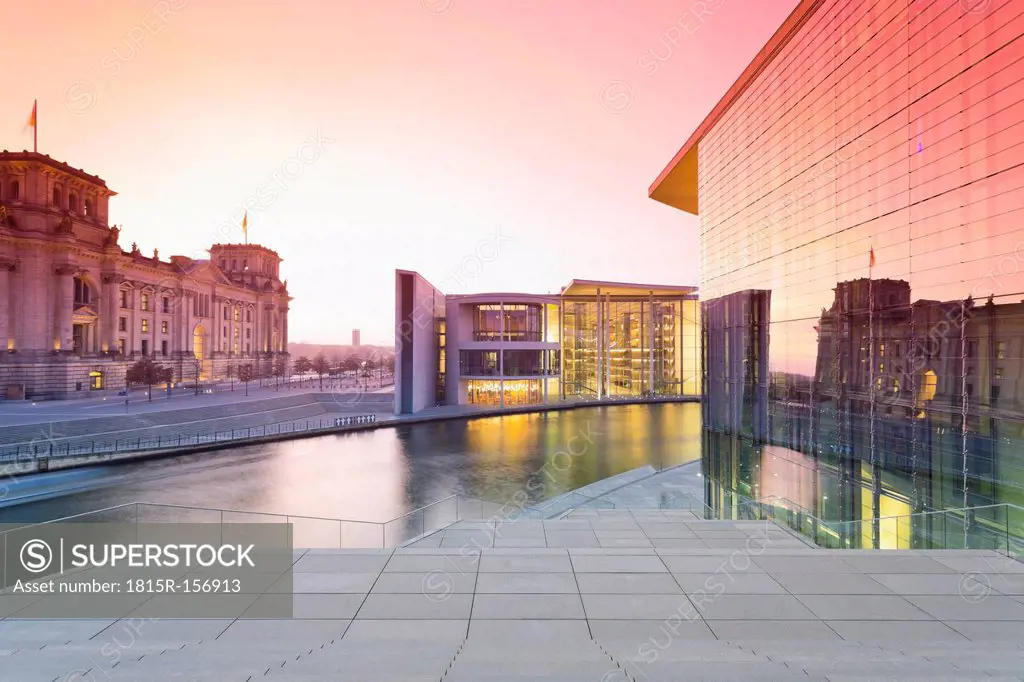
[[489, 144]]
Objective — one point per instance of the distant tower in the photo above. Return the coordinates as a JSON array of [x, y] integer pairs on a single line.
[[355, 338]]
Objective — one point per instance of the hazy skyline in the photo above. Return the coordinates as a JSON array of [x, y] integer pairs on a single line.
[[487, 145]]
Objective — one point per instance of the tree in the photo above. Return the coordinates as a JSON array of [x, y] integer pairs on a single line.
[[198, 371], [231, 375], [321, 367], [245, 374], [280, 367], [147, 373], [302, 365], [351, 363]]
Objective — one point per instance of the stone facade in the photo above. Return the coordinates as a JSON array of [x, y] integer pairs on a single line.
[[76, 310]]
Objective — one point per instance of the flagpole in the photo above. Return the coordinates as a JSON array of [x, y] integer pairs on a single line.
[[35, 128]]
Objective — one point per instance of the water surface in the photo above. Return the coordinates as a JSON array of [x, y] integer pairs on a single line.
[[379, 475]]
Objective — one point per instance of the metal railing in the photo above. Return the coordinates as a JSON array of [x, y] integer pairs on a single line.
[[997, 527], [312, 532], [53, 448]]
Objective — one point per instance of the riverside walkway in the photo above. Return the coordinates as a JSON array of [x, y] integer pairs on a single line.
[[606, 596]]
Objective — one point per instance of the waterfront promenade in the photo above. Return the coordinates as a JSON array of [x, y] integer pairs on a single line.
[[137, 425], [607, 596]]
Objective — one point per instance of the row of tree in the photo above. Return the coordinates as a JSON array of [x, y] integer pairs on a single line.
[[321, 366], [147, 372]]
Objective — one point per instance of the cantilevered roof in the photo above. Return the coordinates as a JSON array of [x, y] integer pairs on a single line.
[[677, 184], [589, 287]]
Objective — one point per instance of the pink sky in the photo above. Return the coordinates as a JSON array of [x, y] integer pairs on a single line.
[[441, 119]]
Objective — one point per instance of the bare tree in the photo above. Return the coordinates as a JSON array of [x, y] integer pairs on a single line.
[[147, 373], [321, 367], [245, 374]]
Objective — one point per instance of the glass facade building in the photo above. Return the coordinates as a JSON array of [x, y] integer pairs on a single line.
[[622, 344], [592, 340], [861, 192]]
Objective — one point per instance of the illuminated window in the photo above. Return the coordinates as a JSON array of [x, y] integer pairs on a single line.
[[145, 325], [163, 326], [1001, 350], [145, 301], [929, 384]]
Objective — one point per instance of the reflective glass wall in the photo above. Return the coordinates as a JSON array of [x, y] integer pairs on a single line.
[[862, 246], [630, 347]]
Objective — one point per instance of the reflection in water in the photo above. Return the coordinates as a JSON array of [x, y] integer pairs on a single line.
[[379, 475]]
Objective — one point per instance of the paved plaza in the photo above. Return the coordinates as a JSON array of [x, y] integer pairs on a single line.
[[608, 596]]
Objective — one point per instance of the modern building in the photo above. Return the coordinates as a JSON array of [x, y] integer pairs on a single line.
[[76, 310], [592, 340], [860, 191], [355, 338]]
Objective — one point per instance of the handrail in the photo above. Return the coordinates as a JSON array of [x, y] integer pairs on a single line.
[[387, 534], [74, 516], [255, 513], [1005, 505], [826, 530], [422, 508]]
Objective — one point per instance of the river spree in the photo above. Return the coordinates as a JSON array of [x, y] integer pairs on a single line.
[[379, 475]]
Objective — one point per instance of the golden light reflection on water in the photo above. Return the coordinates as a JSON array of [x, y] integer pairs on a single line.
[[379, 475]]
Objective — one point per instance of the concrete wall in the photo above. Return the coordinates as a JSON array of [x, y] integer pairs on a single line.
[[417, 304]]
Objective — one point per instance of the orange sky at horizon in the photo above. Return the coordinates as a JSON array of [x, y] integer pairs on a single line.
[[440, 122]]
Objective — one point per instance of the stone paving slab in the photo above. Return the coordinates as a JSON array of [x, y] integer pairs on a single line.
[[565, 613]]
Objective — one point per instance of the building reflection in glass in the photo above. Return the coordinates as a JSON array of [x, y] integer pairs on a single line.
[[862, 256], [914, 405]]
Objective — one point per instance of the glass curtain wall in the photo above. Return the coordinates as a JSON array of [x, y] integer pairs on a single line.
[[861, 218], [642, 341], [517, 391]]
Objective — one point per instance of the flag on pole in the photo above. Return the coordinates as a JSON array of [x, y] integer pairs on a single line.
[[32, 124], [871, 258], [32, 119], [245, 226]]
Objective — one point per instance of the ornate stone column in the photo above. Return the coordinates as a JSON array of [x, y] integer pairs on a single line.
[[268, 328], [111, 298], [185, 332], [218, 324], [7, 265], [64, 304], [284, 328]]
